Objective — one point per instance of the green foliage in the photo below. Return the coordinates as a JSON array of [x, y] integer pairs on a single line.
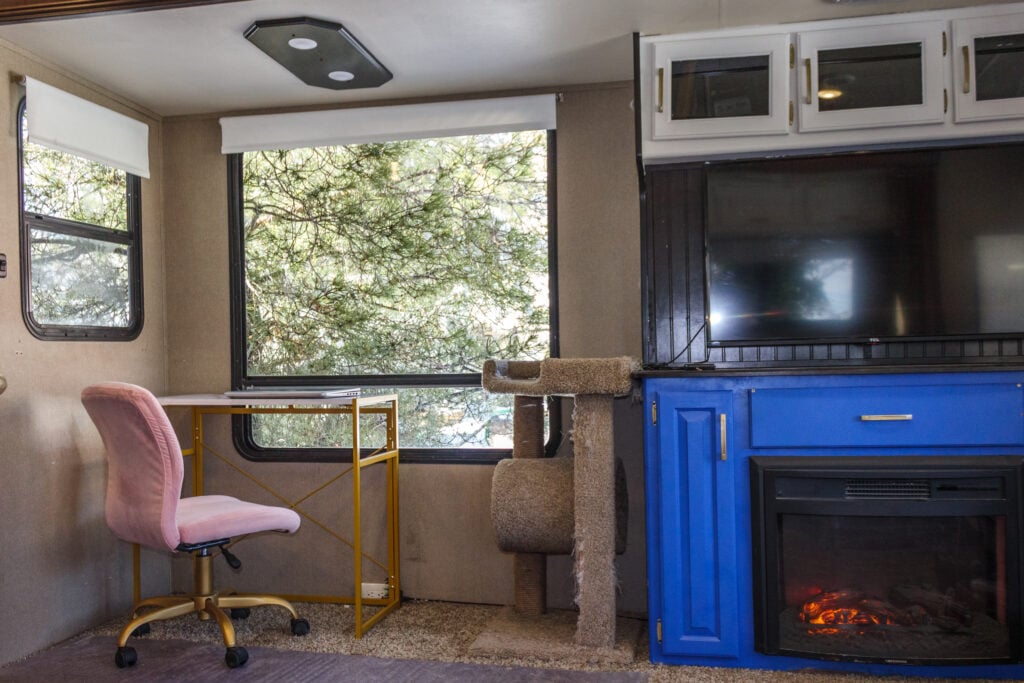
[[427, 418], [404, 258], [78, 281], [72, 188], [422, 256]]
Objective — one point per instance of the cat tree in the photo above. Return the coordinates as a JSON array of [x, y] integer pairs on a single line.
[[542, 506]]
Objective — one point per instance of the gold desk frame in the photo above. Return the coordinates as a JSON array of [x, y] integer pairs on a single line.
[[385, 404]]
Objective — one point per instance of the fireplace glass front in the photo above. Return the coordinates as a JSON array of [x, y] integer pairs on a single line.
[[896, 559]]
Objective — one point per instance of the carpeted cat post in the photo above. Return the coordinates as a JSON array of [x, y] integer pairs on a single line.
[[542, 506]]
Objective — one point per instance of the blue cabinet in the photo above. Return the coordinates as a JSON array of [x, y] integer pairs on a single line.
[[702, 429], [695, 519]]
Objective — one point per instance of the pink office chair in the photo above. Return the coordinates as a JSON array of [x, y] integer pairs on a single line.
[[144, 506]]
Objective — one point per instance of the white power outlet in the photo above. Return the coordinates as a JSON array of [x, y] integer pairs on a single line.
[[375, 590]]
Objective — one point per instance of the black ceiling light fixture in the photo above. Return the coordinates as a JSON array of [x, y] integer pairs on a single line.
[[320, 53]]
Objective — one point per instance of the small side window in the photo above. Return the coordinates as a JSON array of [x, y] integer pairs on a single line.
[[81, 252]]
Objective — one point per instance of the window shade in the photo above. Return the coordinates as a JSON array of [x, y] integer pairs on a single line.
[[67, 123], [383, 124]]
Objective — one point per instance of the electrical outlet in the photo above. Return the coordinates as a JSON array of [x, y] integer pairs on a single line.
[[375, 590]]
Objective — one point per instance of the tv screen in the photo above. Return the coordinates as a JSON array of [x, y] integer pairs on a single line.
[[866, 246]]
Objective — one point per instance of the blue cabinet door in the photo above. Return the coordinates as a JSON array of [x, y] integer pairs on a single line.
[[696, 593]]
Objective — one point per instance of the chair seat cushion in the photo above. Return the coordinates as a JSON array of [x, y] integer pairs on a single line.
[[207, 518]]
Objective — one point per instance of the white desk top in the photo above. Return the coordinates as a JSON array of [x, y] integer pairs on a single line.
[[275, 401]]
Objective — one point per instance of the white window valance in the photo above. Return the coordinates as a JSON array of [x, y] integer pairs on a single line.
[[383, 124], [62, 121]]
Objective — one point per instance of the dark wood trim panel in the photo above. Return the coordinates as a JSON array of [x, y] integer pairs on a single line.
[[19, 11]]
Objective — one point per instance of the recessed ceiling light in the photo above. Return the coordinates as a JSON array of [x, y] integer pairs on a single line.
[[320, 53], [302, 43]]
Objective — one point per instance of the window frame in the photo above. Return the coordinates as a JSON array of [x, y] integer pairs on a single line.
[[131, 238], [242, 424]]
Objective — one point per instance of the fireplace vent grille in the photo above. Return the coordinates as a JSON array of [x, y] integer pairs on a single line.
[[902, 489]]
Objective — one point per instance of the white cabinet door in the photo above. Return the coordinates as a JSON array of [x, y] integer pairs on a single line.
[[988, 75], [716, 87], [867, 77]]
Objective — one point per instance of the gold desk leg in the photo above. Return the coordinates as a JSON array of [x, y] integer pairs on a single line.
[[357, 544], [392, 483]]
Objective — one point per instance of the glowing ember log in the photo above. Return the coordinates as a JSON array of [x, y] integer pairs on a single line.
[[847, 606]]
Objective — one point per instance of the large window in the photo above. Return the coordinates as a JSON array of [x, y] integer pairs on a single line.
[[80, 245], [397, 266]]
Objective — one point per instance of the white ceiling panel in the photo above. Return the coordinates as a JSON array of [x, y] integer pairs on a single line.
[[195, 60]]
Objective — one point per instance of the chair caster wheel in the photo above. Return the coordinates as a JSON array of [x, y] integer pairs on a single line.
[[240, 612], [300, 627], [125, 657], [143, 630], [236, 657]]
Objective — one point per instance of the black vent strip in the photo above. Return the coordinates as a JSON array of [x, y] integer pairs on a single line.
[[901, 489]]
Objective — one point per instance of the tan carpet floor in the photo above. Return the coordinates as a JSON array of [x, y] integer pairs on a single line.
[[444, 631]]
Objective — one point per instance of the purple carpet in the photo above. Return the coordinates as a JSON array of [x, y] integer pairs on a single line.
[[92, 659]]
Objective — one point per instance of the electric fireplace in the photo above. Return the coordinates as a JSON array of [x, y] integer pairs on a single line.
[[910, 560]]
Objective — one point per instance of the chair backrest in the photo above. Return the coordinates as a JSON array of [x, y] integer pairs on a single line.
[[145, 467]]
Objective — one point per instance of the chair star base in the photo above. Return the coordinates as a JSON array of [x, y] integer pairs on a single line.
[[207, 604]]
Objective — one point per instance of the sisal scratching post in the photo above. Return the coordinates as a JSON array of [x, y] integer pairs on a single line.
[[529, 570], [594, 478]]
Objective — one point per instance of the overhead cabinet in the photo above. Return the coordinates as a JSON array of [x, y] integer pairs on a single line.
[[989, 72], [831, 84], [872, 76], [715, 87]]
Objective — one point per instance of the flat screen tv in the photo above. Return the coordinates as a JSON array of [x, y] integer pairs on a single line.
[[866, 247]]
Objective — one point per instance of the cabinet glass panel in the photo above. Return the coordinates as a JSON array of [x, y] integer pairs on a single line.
[[999, 67], [868, 77], [988, 68], [720, 87]]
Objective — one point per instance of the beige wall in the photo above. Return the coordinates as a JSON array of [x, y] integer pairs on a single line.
[[60, 569]]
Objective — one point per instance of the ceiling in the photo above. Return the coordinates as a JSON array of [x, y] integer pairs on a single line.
[[194, 60]]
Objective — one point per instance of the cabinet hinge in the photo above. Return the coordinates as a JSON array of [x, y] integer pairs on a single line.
[[654, 412], [945, 45], [659, 630], [792, 56], [945, 100], [791, 112]]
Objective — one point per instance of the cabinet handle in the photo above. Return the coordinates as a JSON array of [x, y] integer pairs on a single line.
[[661, 90], [886, 418], [967, 68], [807, 77], [722, 431]]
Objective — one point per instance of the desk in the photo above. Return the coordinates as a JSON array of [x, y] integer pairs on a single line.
[[387, 455]]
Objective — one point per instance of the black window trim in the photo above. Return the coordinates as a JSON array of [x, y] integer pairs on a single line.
[[241, 426], [131, 238]]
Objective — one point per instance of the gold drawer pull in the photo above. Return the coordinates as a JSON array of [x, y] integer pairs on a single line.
[[886, 418]]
